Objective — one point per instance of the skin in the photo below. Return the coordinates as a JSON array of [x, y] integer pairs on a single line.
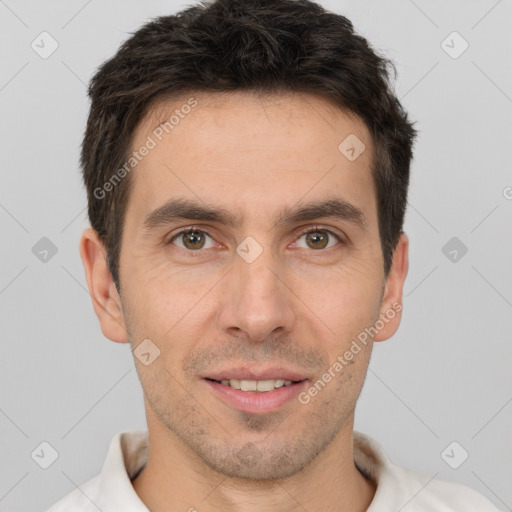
[[295, 305]]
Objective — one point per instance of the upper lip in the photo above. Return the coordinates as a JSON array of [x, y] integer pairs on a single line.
[[244, 373]]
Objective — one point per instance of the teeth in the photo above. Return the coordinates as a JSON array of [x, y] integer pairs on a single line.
[[265, 385], [261, 386], [248, 385], [234, 383]]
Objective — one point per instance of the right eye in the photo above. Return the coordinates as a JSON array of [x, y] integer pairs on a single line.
[[191, 239]]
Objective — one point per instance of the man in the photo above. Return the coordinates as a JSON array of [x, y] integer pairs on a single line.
[[247, 167]]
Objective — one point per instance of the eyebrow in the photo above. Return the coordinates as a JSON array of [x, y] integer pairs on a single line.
[[186, 209]]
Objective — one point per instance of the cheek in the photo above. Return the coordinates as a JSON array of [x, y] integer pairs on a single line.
[[345, 297], [169, 308], [148, 311]]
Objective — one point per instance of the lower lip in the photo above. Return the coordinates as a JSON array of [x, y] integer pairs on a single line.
[[255, 402]]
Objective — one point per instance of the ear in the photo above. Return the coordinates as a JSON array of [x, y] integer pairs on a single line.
[[105, 299], [391, 306]]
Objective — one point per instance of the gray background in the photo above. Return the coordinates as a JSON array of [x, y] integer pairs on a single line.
[[444, 377]]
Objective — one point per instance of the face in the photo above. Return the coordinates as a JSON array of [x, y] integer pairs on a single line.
[[251, 256]]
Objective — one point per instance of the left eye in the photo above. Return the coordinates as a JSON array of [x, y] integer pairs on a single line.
[[318, 239]]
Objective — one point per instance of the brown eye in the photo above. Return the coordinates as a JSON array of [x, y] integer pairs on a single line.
[[191, 239], [318, 239]]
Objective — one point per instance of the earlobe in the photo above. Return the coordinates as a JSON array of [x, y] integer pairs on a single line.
[[105, 299], [391, 307]]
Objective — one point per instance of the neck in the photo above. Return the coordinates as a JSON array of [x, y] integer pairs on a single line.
[[176, 479]]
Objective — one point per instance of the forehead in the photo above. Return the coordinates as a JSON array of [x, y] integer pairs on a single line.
[[251, 152]]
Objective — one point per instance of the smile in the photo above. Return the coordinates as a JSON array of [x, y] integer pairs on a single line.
[[260, 386], [256, 396]]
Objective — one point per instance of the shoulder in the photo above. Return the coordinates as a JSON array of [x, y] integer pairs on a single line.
[[111, 489], [81, 499], [429, 494], [401, 488]]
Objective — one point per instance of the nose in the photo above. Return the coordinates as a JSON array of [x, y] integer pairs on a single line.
[[257, 302]]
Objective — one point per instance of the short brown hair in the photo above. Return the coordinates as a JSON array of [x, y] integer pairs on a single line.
[[268, 46]]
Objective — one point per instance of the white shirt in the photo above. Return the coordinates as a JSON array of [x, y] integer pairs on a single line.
[[112, 491]]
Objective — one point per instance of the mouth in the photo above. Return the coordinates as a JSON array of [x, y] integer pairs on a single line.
[[255, 394], [258, 386]]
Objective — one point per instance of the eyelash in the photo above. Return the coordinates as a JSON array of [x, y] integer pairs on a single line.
[[302, 233]]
